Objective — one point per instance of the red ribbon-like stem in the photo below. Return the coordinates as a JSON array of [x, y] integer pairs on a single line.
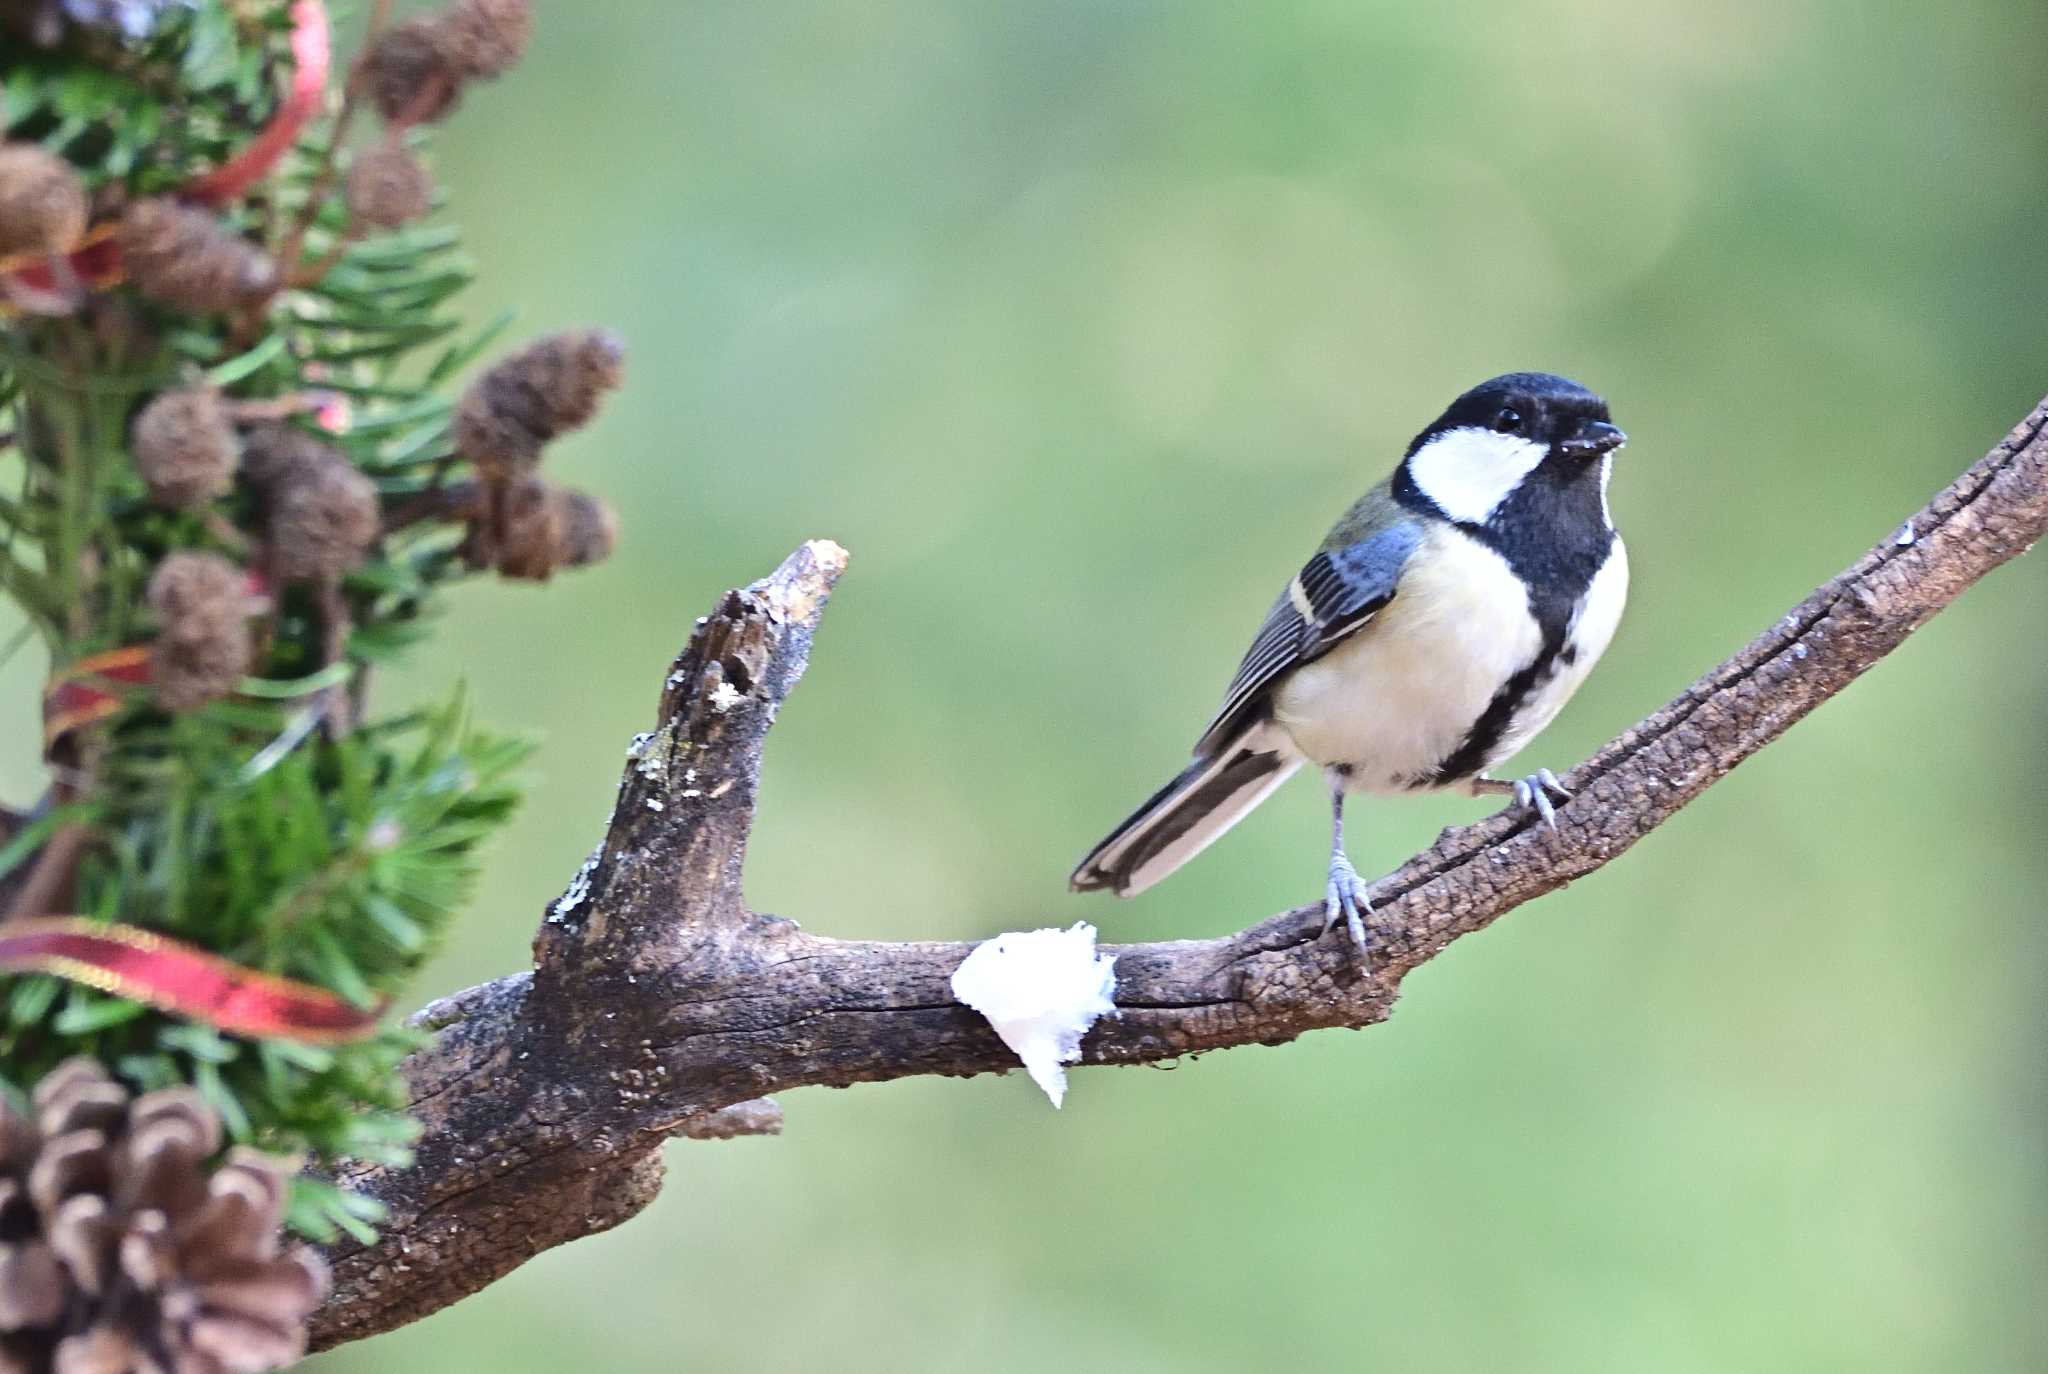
[[182, 979], [311, 53], [94, 263], [80, 694]]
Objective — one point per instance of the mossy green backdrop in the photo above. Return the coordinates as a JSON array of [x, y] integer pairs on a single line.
[[1076, 321]]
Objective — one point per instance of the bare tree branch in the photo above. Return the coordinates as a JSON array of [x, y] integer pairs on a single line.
[[661, 1005]]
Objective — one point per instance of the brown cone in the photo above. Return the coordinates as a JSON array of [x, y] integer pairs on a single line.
[[387, 187], [126, 1255], [184, 257], [273, 451], [322, 519], [545, 389], [320, 512], [544, 529], [530, 532], [185, 448], [416, 70], [203, 647], [412, 75], [590, 529], [486, 37], [42, 201]]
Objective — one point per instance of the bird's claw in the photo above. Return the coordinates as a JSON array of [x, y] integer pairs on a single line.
[[1533, 793], [1347, 896]]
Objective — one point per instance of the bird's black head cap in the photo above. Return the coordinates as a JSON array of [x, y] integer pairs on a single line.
[[1539, 406]]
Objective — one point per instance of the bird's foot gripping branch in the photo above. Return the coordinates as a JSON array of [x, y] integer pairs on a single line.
[[660, 1005]]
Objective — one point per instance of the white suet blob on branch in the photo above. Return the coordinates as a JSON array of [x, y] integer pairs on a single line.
[[1041, 990]]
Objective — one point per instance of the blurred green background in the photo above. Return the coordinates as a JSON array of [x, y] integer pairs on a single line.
[[1077, 321]]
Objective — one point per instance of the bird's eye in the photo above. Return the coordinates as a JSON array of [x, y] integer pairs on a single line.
[[1508, 420]]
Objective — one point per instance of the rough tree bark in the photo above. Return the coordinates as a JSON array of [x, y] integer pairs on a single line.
[[660, 1005]]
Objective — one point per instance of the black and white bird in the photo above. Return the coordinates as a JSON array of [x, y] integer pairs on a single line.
[[1446, 619]]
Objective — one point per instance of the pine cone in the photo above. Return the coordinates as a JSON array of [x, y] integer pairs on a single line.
[[320, 511], [417, 69], [184, 257], [544, 529], [411, 75], [184, 447], [486, 37], [545, 389], [323, 519], [387, 187], [42, 201], [124, 1255], [273, 452], [203, 646], [590, 529], [529, 533]]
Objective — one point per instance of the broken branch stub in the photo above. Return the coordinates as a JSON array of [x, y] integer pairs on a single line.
[[667, 875]]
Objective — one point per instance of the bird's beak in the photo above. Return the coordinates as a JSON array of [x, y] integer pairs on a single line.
[[1594, 438]]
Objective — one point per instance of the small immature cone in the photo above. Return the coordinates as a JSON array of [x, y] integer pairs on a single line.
[[272, 452], [545, 529], [320, 511], [184, 447], [410, 75], [42, 202], [529, 532], [387, 187], [322, 519], [203, 647], [545, 389], [590, 529], [184, 257], [487, 37], [415, 71]]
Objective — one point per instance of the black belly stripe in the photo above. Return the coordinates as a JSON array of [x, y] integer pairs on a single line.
[[1476, 751], [1552, 530], [1553, 613]]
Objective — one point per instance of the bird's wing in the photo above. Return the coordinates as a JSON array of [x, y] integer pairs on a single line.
[[1335, 595]]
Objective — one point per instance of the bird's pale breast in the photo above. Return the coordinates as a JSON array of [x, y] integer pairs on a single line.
[[1397, 698]]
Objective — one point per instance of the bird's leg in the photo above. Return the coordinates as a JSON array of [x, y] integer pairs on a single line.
[[1532, 793], [1346, 894]]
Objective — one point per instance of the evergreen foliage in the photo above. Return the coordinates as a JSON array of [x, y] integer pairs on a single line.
[[279, 824]]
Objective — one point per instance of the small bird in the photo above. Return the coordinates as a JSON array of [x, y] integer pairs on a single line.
[[1446, 618]]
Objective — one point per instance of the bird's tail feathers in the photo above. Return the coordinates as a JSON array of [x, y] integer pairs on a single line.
[[1190, 813]]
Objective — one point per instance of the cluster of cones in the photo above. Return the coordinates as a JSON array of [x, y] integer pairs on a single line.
[[318, 516]]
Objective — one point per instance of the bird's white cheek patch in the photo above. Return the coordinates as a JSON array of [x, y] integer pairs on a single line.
[[1467, 472]]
